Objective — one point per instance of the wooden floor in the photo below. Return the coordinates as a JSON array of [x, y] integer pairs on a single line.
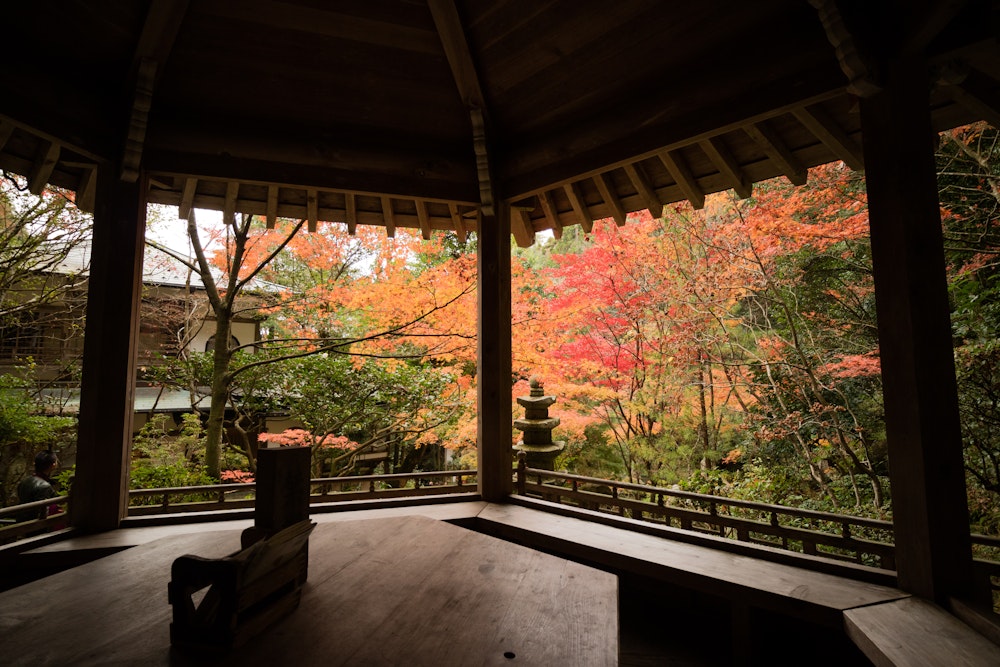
[[678, 603]]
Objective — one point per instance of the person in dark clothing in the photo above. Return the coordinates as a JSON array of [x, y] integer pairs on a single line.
[[38, 486]]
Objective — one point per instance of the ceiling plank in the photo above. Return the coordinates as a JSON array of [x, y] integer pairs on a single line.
[[459, 224], [681, 173], [271, 212], [425, 223], [520, 225], [583, 214], [548, 208], [44, 165], [611, 199], [819, 122], [389, 216], [727, 165], [776, 149], [351, 207], [229, 207], [641, 184], [312, 210], [187, 198]]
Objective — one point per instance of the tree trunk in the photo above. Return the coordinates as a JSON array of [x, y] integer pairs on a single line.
[[219, 396]]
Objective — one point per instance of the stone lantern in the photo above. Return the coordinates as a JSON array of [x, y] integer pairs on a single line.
[[539, 449]]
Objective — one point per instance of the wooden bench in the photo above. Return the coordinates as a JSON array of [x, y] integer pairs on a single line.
[[887, 624], [247, 591]]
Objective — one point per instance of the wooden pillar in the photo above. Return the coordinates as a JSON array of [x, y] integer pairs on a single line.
[[930, 511], [100, 488], [494, 426]]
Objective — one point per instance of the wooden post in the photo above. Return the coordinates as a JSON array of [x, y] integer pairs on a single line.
[[930, 511], [494, 426], [104, 441]]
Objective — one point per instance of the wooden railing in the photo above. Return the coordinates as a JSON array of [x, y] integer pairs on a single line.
[[11, 528], [217, 497], [857, 539]]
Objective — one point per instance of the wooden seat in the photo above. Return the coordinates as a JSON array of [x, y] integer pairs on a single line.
[[247, 591]]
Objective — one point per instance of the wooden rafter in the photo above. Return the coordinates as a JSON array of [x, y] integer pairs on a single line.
[[135, 137], [779, 153], [458, 223], [271, 208], [583, 214], [86, 189], [424, 219], [351, 213], [641, 183], [548, 208], [723, 159], [969, 92], [931, 24], [6, 129], [45, 162], [681, 173], [611, 200], [860, 78], [520, 225], [819, 122], [463, 70], [187, 198], [389, 216], [312, 210], [229, 207]]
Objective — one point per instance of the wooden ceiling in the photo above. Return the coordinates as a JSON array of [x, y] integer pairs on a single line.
[[414, 113]]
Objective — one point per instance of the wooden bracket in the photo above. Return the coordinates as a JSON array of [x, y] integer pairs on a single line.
[[142, 102]]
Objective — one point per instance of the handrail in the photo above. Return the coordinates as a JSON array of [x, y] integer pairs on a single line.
[[241, 495], [840, 537], [11, 529]]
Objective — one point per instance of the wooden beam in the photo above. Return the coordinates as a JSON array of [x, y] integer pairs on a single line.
[[931, 24], [775, 149], [611, 200], [520, 225], [351, 213], [930, 507], [551, 214], [271, 211], [972, 94], [458, 223], [45, 163], [229, 207], [860, 80], [312, 210], [645, 190], [159, 31], [425, 223], [389, 216], [723, 159], [86, 190], [483, 167], [187, 198], [456, 50], [681, 173], [819, 122], [583, 213], [6, 129], [142, 102]]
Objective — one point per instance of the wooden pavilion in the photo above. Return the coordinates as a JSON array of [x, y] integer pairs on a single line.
[[507, 118]]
